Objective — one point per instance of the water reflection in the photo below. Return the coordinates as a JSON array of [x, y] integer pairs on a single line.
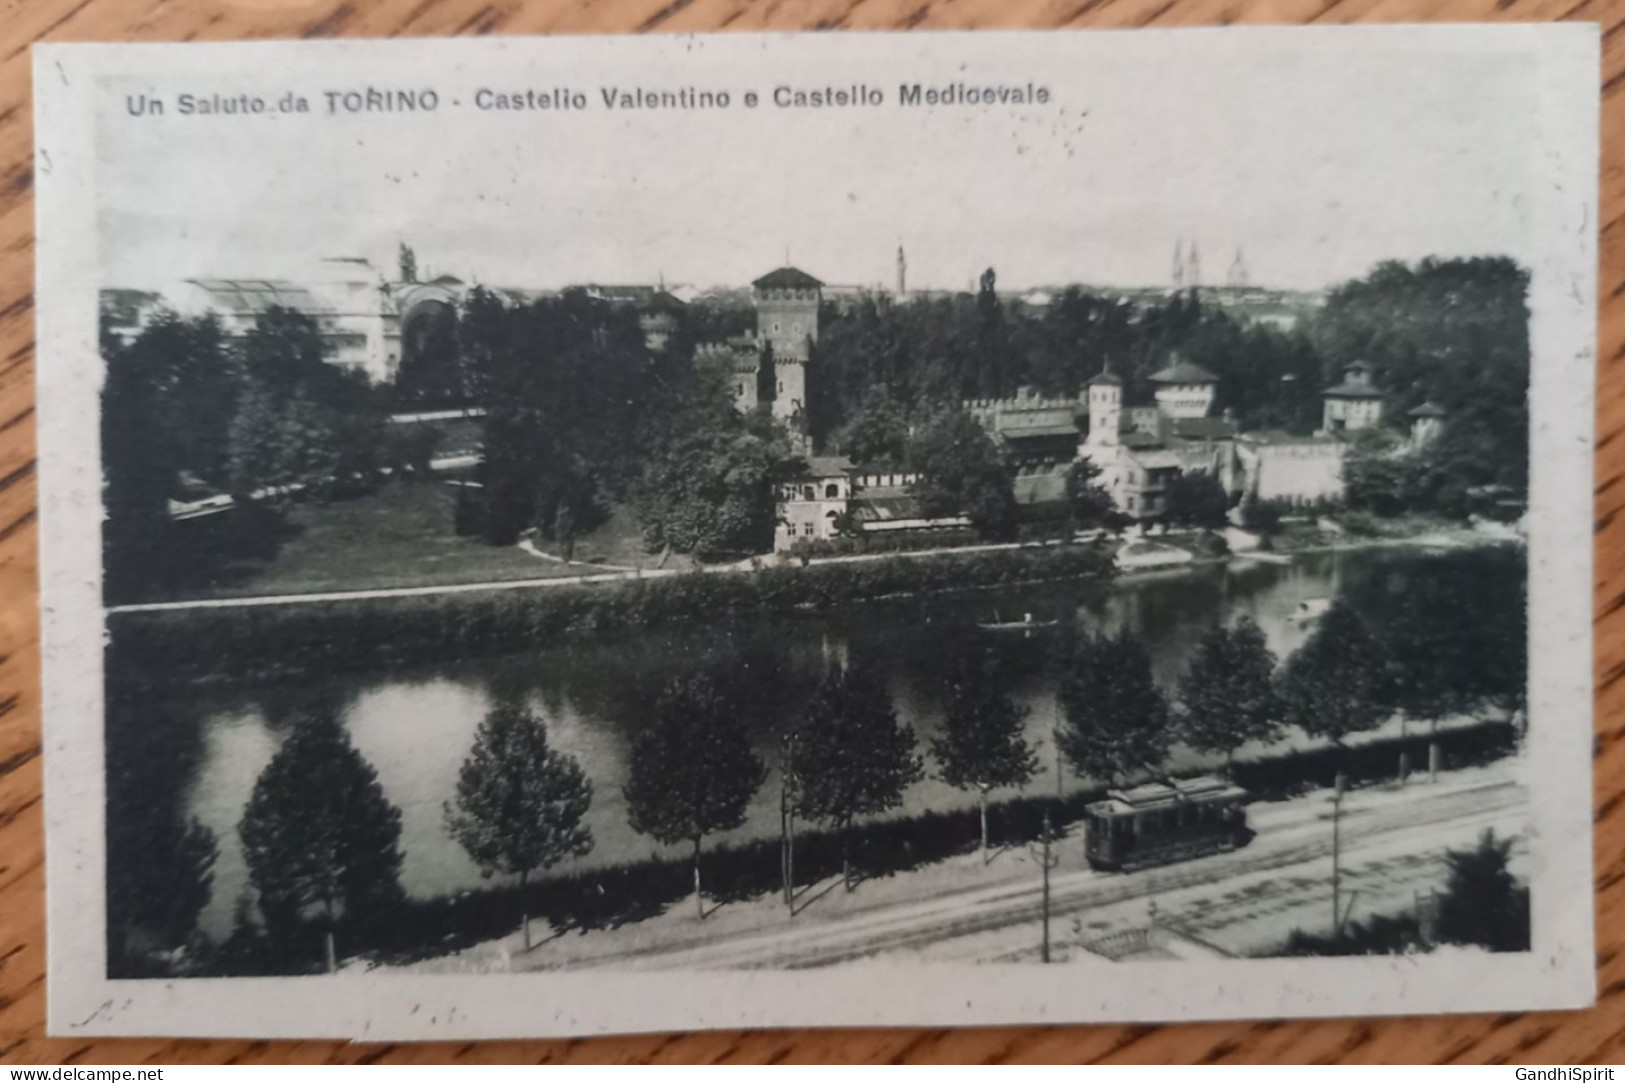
[[416, 725]]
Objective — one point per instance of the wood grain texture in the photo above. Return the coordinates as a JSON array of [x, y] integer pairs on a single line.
[[1594, 1036]]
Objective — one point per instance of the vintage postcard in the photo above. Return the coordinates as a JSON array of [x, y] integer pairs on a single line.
[[562, 536]]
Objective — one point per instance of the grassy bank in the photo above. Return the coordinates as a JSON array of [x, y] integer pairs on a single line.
[[257, 642]]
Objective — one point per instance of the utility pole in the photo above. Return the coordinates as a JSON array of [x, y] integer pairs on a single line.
[[1337, 908], [787, 819], [1048, 863], [1047, 859]]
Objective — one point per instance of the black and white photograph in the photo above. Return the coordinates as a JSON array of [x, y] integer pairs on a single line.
[[710, 532]]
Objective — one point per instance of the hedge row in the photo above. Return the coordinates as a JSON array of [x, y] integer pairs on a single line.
[[266, 641]]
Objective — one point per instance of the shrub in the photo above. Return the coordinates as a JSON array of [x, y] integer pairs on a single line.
[[1359, 524]]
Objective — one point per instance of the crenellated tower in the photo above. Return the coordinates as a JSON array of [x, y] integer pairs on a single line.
[[787, 302]]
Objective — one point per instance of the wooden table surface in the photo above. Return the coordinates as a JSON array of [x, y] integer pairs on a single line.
[[1597, 1036]]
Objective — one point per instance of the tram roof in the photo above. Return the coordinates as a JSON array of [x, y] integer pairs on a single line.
[[1205, 789]]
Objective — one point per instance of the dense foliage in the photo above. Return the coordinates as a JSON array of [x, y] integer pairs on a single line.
[[962, 473], [321, 840], [1116, 718], [520, 802], [983, 744], [1339, 681], [1453, 332], [1227, 692], [853, 757], [693, 771]]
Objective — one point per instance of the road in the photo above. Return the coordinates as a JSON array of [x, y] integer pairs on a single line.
[[1293, 847]]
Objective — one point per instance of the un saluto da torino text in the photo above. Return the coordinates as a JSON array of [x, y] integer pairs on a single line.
[[563, 99]]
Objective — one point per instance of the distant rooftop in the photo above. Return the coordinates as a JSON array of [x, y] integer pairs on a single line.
[[827, 466], [1183, 372], [1428, 409], [787, 278], [1350, 390]]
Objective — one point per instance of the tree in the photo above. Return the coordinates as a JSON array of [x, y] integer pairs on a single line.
[[167, 401], [1455, 635], [320, 838], [853, 758], [1116, 716], [1376, 481], [1196, 498], [1482, 903], [1451, 331], [520, 802], [1228, 691], [982, 745], [1336, 683], [565, 384], [877, 433], [160, 873], [999, 367], [694, 771], [300, 420], [706, 479], [962, 473], [1089, 505]]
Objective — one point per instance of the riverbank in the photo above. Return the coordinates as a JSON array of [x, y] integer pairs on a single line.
[[221, 641]]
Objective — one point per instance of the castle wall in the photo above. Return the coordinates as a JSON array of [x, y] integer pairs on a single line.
[[1351, 415], [1185, 400], [1299, 471]]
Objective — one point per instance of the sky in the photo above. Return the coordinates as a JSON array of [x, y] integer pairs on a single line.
[[1317, 161]]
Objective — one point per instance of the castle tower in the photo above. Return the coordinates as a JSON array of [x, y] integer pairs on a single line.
[[902, 273], [1354, 404], [1105, 408], [1183, 389], [1427, 420], [787, 303]]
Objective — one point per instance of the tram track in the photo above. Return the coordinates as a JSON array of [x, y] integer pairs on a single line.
[[1288, 837]]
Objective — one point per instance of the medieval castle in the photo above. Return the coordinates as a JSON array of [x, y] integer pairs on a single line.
[[366, 318]]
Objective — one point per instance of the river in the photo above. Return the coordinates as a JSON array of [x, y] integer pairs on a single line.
[[415, 725]]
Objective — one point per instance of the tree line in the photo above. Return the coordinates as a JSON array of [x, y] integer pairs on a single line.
[[322, 840], [582, 414]]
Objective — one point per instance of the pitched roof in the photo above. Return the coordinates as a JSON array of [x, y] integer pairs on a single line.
[[1104, 376], [662, 301], [787, 278], [827, 466], [871, 508], [1183, 372], [1428, 409]]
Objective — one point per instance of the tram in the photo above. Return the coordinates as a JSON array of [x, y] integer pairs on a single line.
[[1158, 823]]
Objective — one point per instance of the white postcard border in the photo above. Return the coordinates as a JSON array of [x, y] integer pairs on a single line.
[[1559, 973]]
